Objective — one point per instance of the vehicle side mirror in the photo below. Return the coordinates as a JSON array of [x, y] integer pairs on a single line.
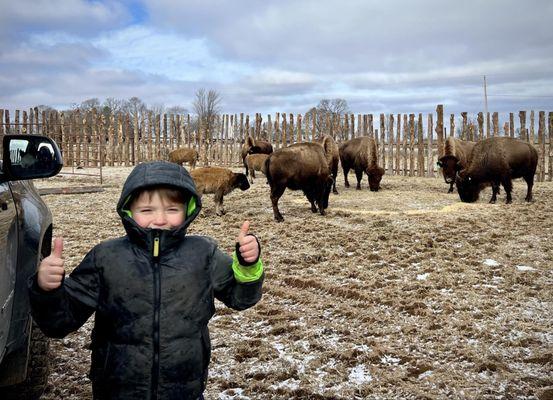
[[30, 157]]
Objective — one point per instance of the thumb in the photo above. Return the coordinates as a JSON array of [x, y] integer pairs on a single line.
[[58, 247], [244, 230]]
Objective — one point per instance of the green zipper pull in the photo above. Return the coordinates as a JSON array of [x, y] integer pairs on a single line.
[[156, 246]]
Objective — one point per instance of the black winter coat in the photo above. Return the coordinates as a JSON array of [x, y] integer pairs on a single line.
[[150, 338]]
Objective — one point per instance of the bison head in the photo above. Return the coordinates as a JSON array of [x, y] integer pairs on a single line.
[[255, 150], [375, 176], [242, 181], [450, 166], [467, 187]]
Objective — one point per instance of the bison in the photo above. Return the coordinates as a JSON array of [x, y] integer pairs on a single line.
[[301, 166], [252, 146], [256, 162], [456, 157], [219, 181], [182, 155], [360, 154], [333, 157], [496, 161]]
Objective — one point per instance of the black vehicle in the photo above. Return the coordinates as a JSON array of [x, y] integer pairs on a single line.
[[25, 238]]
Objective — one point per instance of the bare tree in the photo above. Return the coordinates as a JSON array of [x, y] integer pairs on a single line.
[[111, 105], [326, 110], [176, 110], [207, 106], [87, 105]]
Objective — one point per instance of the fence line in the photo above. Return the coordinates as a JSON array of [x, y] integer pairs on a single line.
[[93, 139]]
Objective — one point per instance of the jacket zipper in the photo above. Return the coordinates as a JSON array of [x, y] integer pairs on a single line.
[[157, 301]]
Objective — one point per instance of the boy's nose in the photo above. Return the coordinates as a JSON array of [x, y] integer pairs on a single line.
[[160, 218]]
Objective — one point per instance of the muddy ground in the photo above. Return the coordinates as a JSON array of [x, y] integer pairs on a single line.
[[402, 294]]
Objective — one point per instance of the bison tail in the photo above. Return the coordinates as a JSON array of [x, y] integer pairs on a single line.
[[267, 171]]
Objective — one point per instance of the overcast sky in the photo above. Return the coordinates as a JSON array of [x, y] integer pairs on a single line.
[[280, 56]]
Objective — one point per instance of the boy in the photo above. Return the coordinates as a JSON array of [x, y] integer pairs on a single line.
[[152, 291]]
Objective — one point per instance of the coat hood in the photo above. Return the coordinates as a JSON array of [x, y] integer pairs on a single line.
[[156, 173]]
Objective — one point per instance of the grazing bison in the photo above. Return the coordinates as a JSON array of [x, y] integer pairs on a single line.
[[219, 181], [182, 155], [256, 162], [456, 157], [301, 166], [496, 161], [333, 156], [252, 146], [360, 154]]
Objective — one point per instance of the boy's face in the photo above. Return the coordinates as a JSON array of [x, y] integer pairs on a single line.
[[150, 210]]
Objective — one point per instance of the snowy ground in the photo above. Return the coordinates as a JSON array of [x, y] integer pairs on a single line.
[[404, 293]]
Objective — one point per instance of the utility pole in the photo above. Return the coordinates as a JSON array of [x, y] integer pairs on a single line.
[[485, 97]]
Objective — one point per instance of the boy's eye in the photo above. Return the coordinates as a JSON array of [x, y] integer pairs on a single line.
[[174, 209]]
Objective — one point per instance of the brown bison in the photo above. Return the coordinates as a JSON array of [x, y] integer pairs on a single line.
[[219, 181], [182, 155], [360, 154], [252, 146], [456, 157], [496, 161], [301, 166], [256, 162], [333, 157]]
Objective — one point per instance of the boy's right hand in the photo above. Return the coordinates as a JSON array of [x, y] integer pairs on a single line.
[[50, 270]]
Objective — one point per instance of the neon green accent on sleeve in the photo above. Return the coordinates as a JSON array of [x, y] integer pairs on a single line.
[[246, 274], [128, 212], [191, 206]]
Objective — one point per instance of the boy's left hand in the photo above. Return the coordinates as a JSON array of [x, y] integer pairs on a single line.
[[249, 249]]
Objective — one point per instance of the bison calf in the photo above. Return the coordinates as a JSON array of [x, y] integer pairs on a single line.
[[456, 157], [252, 146], [301, 166], [256, 162], [495, 161], [220, 182], [182, 155]]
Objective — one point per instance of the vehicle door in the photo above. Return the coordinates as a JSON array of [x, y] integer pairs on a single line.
[[8, 225]]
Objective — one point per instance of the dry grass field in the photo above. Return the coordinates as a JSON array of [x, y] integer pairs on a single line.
[[406, 293]]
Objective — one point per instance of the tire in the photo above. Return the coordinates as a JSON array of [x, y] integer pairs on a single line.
[[38, 369]]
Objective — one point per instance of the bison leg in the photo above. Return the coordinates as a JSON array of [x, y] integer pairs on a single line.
[[359, 176], [508, 186], [346, 172], [276, 192], [334, 176], [495, 192], [451, 187], [530, 183], [219, 209]]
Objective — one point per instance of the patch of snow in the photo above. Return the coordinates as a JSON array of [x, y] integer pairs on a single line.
[[425, 374], [490, 263], [233, 394], [422, 277], [292, 384], [358, 375], [524, 268], [389, 360]]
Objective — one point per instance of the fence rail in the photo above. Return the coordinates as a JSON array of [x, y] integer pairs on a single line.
[[407, 144]]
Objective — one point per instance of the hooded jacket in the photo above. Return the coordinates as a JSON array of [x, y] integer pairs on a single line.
[[152, 292]]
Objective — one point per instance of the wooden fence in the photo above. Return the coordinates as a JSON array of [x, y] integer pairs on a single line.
[[408, 144]]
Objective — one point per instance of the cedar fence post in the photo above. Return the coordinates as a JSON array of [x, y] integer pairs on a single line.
[[532, 136], [398, 145], [383, 140], [522, 117], [420, 148], [284, 132], [511, 125], [440, 129], [480, 126], [495, 118], [430, 131], [550, 137], [452, 125], [298, 125], [411, 144], [541, 146], [390, 169], [464, 135], [405, 142]]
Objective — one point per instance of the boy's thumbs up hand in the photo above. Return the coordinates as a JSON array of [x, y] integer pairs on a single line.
[[247, 244], [50, 270]]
